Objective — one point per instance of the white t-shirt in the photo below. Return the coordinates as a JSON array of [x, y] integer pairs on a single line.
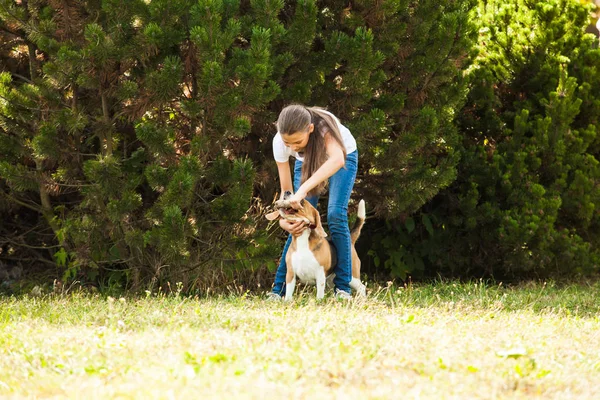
[[282, 153]]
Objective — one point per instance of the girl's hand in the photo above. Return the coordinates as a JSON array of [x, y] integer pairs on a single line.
[[296, 199], [295, 228]]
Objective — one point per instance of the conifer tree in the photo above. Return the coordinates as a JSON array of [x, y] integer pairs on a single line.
[[139, 133], [525, 201]]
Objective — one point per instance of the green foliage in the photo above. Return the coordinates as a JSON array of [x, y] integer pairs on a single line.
[[524, 202], [140, 132]]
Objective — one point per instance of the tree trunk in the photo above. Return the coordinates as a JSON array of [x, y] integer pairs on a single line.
[[107, 146]]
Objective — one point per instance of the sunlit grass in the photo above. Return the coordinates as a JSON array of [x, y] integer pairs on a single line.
[[445, 340]]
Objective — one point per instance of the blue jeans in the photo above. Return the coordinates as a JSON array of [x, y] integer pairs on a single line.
[[340, 188]]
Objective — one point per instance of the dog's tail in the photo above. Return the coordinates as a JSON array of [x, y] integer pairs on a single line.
[[360, 221]]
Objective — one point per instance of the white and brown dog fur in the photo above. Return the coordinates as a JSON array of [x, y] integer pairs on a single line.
[[310, 257]]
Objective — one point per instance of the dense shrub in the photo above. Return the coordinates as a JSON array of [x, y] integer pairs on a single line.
[[135, 136], [525, 199]]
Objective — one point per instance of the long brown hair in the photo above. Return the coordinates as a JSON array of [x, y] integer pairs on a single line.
[[297, 118]]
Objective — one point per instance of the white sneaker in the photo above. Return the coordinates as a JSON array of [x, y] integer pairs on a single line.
[[274, 297], [342, 295]]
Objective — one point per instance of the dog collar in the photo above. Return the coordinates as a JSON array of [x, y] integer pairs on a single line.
[[312, 226]]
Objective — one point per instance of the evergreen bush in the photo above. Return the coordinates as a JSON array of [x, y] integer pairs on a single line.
[[525, 201], [137, 134]]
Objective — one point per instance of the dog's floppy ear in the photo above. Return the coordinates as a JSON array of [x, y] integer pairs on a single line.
[[272, 216], [319, 227]]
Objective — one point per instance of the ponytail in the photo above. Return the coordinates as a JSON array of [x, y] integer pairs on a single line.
[[315, 154], [297, 118]]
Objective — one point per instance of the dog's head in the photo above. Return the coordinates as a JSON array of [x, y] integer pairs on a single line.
[[306, 213]]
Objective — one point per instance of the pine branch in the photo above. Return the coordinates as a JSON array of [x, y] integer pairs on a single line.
[[440, 65], [33, 64], [69, 19], [40, 259], [24, 25], [106, 137], [80, 185], [22, 77], [35, 208], [16, 35], [8, 240], [27, 107]]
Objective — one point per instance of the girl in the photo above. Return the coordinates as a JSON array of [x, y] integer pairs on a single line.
[[325, 152]]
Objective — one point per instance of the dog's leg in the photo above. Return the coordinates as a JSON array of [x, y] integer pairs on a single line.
[[358, 287], [320, 281], [290, 280], [329, 280], [289, 289]]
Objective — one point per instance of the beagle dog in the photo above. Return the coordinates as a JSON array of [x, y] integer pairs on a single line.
[[310, 257]]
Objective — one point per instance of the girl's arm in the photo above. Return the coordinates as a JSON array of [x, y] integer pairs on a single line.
[[334, 162], [285, 178]]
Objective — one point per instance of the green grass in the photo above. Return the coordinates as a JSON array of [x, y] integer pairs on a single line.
[[445, 340]]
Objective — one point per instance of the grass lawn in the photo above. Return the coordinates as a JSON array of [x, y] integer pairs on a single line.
[[439, 341]]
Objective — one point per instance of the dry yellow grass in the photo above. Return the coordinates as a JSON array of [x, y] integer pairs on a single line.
[[440, 344]]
